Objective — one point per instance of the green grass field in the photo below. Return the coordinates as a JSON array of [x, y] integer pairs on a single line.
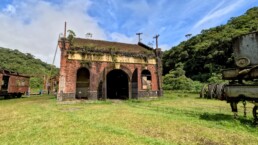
[[176, 118]]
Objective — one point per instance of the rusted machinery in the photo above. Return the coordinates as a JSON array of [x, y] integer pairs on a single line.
[[13, 84], [243, 79]]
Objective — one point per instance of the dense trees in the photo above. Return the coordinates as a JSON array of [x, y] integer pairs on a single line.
[[16, 61], [207, 53]]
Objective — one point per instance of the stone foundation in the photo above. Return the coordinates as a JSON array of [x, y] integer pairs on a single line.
[[147, 93], [65, 96], [93, 95]]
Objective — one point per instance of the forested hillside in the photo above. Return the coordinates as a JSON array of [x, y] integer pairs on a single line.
[[14, 60], [207, 53]]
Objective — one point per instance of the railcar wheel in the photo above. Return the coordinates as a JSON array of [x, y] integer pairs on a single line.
[[255, 114], [13, 95], [19, 95], [211, 89], [203, 93], [7, 97], [218, 91]]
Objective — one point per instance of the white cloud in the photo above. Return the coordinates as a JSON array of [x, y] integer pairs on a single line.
[[123, 38], [215, 16], [164, 47], [140, 8], [10, 9], [36, 26]]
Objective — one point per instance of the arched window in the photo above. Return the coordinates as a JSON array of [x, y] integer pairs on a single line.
[[146, 80]]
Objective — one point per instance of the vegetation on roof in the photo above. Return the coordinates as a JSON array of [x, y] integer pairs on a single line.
[[99, 47], [91, 49], [100, 44]]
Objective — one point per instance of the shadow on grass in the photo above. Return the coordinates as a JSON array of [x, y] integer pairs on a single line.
[[53, 98], [215, 117], [11, 98], [224, 117]]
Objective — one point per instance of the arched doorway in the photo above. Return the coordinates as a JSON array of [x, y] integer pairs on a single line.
[[117, 84], [82, 83]]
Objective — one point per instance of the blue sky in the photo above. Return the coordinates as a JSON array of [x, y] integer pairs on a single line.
[[33, 26]]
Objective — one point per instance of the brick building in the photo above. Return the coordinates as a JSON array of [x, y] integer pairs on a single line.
[[95, 69]]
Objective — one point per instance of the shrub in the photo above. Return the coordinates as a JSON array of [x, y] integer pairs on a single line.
[[216, 78], [176, 80]]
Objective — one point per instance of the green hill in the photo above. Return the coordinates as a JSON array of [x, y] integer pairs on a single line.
[[16, 61], [210, 51]]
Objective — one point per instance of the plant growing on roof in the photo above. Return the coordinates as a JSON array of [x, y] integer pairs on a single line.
[[71, 52], [112, 48], [90, 46], [144, 57], [113, 54], [71, 36], [85, 63]]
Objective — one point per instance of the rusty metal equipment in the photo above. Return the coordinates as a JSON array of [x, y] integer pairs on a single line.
[[243, 79], [12, 84], [210, 91]]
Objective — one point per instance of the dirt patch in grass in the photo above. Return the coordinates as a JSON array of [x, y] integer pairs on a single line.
[[70, 109], [205, 141]]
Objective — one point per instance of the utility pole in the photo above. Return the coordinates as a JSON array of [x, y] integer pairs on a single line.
[[156, 37], [139, 36], [65, 30]]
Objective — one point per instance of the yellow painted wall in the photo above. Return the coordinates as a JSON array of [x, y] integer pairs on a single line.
[[108, 58]]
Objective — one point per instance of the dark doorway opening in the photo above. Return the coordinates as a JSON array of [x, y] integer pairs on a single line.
[[117, 84], [82, 83], [5, 83]]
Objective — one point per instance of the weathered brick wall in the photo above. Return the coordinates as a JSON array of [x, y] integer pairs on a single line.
[[98, 72]]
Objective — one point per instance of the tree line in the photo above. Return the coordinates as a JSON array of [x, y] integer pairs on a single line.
[[202, 57]]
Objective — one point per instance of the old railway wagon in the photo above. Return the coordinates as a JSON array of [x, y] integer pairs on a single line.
[[13, 84]]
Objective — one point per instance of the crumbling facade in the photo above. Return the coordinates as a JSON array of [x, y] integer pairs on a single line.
[[95, 69]]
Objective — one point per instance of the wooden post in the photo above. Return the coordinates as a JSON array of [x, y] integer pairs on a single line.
[[65, 30]]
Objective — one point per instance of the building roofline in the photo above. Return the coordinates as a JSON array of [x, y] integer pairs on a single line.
[[105, 41], [12, 73], [145, 46]]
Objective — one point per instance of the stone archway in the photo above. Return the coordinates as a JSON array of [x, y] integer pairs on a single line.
[[117, 84], [82, 83]]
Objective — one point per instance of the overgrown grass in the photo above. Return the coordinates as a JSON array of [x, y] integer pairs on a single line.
[[176, 118]]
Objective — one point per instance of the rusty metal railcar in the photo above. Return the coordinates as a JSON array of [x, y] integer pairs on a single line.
[[243, 78], [12, 84]]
